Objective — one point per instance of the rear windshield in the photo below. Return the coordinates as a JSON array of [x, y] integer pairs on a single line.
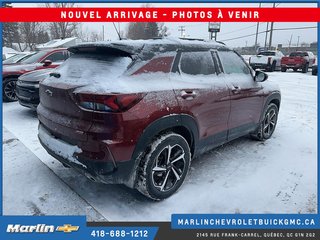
[[92, 68], [267, 53], [298, 54]]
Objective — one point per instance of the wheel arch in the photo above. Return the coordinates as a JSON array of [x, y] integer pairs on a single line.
[[275, 98], [182, 124], [10, 76]]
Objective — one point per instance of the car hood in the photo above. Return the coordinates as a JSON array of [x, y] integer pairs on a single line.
[[36, 76]]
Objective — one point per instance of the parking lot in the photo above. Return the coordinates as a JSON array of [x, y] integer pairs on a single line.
[[244, 176]]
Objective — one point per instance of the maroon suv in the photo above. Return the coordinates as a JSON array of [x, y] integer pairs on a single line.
[[137, 112]]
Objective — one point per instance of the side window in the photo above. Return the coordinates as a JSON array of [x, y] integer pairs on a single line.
[[194, 63], [232, 63], [159, 64], [57, 57]]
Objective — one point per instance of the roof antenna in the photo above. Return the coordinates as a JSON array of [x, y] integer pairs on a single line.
[[116, 30]]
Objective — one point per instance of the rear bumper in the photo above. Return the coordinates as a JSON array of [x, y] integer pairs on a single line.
[[291, 65], [77, 158]]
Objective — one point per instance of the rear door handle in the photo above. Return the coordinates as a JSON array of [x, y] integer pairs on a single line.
[[235, 89], [188, 94]]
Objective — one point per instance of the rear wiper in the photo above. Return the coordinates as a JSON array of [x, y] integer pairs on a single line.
[[56, 75]]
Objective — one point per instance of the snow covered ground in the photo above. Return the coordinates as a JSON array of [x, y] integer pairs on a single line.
[[244, 176]]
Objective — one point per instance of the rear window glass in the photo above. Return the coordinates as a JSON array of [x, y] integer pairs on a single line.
[[195, 63], [232, 63], [88, 68], [267, 53], [298, 54]]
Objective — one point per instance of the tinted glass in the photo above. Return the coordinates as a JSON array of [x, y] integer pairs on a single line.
[[267, 53], [232, 63], [298, 54], [195, 63], [35, 58], [26, 57], [57, 57]]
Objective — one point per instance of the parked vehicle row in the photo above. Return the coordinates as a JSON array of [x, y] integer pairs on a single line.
[[275, 60], [40, 60], [268, 60], [298, 60]]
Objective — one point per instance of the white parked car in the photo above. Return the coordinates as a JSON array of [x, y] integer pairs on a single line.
[[268, 60]]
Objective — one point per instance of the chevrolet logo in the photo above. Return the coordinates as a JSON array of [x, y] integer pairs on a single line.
[[49, 92], [67, 228]]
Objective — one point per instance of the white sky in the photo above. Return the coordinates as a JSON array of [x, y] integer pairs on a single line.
[[200, 30]]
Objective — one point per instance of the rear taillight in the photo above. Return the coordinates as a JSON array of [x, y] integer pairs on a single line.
[[108, 103]]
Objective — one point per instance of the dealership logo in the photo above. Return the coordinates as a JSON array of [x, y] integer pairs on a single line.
[[40, 228], [67, 228]]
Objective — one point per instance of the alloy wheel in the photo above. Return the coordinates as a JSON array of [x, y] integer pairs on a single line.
[[10, 90], [269, 123], [168, 167]]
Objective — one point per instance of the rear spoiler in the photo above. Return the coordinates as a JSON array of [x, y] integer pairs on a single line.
[[123, 48]]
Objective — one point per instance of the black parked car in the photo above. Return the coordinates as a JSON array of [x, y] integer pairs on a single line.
[[27, 87]]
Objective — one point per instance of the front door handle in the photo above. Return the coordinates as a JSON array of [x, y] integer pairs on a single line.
[[235, 89], [188, 94]]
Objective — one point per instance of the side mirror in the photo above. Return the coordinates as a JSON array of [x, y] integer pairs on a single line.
[[260, 76], [47, 63]]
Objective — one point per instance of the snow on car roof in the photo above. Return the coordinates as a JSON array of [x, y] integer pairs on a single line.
[[135, 46], [6, 50], [56, 43]]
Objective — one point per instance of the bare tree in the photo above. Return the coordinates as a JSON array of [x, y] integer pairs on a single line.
[[29, 32], [87, 35], [146, 30], [10, 33], [163, 30], [94, 36], [62, 29]]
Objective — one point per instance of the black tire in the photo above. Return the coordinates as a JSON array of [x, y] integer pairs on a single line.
[[305, 68], [283, 69], [159, 176], [295, 69], [314, 71], [268, 123], [9, 90]]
